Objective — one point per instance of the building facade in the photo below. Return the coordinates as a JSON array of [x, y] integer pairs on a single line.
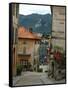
[[14, 22], [58, 26], [28, 49], [45, 44]]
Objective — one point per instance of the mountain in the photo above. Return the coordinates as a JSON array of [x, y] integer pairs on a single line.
[[39, 23]]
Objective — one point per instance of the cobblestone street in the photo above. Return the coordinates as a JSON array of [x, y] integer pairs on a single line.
[[34, 78]]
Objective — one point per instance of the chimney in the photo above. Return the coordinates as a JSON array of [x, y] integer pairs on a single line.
[[30, 29]]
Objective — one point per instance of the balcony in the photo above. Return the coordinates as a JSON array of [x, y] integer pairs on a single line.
[[24, 53]]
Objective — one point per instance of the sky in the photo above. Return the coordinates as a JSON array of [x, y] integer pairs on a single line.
[[29, 9]]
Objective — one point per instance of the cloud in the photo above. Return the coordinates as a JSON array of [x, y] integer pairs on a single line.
[[29, 9]]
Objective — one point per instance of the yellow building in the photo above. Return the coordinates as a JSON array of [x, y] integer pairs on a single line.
[[28, 45]]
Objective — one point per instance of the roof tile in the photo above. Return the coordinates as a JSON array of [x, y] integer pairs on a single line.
[[24, 33]]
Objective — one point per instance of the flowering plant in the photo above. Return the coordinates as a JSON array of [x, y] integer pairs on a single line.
[[58, 53], [58, 56]]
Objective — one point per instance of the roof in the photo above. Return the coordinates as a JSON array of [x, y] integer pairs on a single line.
[[26, 34]]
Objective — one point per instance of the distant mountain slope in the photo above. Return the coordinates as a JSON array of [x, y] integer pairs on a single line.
[[39, 23]]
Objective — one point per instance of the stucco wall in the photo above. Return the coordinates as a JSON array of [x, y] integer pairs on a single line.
[[58, 26]]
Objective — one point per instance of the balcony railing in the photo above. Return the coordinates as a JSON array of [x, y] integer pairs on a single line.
[[23, 53]]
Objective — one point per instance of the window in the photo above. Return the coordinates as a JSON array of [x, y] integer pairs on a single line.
[[61, 13], [61, 22], [24, 42], [37, 42], [24, 47], [34, 61], [24, 62], [24, 50]]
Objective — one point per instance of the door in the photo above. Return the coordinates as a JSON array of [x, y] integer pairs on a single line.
[[24, 64]]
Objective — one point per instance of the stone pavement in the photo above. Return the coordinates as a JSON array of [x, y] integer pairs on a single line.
[[34, 78]]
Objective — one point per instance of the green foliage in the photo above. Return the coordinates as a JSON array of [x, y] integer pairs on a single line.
[[58, 48], [63, 55], [19, 69], [40, 70]]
